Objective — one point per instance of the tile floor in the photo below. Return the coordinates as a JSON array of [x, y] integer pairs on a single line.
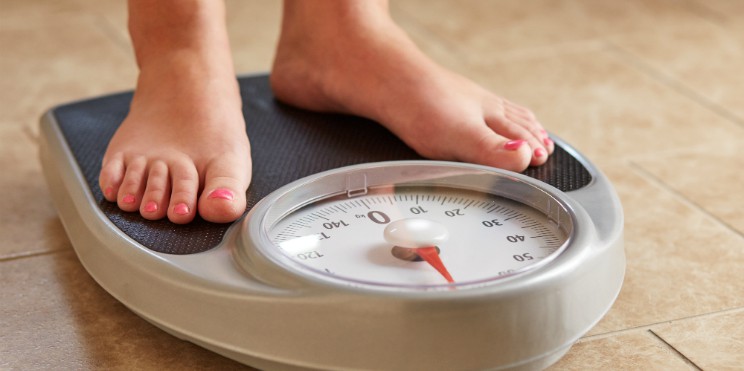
[[651, 90]]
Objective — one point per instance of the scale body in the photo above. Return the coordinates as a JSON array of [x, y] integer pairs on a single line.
[[207, 284]]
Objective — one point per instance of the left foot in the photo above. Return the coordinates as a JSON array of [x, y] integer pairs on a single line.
[[349, 57]]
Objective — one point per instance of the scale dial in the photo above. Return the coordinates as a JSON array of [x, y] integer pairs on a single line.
[[413, 226]]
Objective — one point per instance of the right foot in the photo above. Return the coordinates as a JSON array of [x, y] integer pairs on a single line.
[[181, 138], [182, 148]]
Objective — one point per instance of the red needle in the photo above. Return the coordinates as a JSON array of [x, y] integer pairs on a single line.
[[430, 255]]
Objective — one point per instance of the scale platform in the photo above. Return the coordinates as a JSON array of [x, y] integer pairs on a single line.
[[184, 278]]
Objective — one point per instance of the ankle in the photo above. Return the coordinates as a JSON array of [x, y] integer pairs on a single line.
[[180, 34], [326, 21], [182, 80], [156, 26]]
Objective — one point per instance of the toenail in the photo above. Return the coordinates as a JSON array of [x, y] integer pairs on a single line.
[[151, 207], [181, 209], [548, 142], [128, 199], [539, 152], [513, 145], [108, 192], [222, 193]]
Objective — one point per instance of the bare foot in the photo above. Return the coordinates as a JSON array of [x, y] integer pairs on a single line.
[[183, 148], [350, 57]]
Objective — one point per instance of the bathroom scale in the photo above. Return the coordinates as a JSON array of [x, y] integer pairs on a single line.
[[354, 252]]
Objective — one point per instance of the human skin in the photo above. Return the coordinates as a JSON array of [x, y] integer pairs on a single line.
[[183, 148]]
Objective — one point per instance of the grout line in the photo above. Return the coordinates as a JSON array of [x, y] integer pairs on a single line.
[[112, 33], [706, 12], [650, 327], [589, 44], [658, 182], [674, 350], [32, 254], [672, 82]]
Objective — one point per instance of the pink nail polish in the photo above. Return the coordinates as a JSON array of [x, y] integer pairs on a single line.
[[548, 142], [222, 193], [513, 145], [151, 207], [108, 192], [539, 152], [128, 199], [181, 209]]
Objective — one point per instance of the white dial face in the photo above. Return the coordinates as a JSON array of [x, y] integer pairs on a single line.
[[418, 237]]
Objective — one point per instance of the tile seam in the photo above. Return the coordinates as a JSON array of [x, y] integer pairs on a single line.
[[681, 197], [674, 350], [29, 254], [590, 44], [640, 65], [111, 33], [651, 326], [704, 11]]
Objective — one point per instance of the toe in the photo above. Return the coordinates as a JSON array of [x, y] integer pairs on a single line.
[[527, 120], [517, 127], [154, 203], [549, 144], [110, 178], [132, 186], [184, 188], [539, 156], [483, 146], [223, 199]]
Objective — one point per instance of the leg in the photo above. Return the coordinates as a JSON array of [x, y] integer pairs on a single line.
[[349, 57], [183, 146]]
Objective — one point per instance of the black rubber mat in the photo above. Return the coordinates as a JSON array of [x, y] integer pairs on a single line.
[[286, 143]]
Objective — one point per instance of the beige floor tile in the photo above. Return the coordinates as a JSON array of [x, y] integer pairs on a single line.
[[680, 261], [111, 16], [723, 9], [603, 106], [486, 29], [620, 17], [23, 12], [633, 351], [55, 61], [712, 180], [253, 27], [29, 223], [55, 317], [477, 30], [712, 342], [704, 58]]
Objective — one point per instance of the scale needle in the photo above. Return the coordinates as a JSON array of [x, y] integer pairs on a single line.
[[420, 236], [430, 255]]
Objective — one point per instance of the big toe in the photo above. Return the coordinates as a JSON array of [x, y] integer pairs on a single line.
[[484, 147], [223, 199], [514, 155]]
